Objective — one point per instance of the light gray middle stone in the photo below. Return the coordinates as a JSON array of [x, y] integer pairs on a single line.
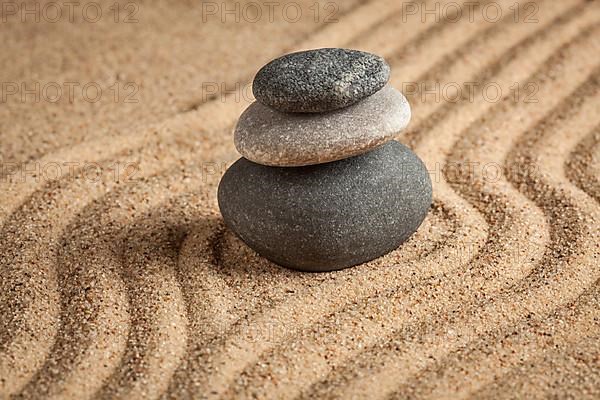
[[271, 137]]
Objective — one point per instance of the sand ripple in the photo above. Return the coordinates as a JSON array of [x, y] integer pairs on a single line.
[[133, 288]]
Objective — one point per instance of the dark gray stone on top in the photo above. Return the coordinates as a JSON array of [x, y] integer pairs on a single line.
[[329, 216], [319, 80]]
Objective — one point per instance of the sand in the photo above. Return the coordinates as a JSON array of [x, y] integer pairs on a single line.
[[119, 280]]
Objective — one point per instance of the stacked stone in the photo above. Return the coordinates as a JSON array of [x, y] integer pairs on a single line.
[[322, 185]]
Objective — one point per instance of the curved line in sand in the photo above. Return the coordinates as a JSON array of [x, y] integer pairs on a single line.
[[556, 371], [539, 154], [436, 63], [415, 31], [216, 383], [583, 166], [88, 363], [489, 364], [558, 18], [90, 150], [26, 189], [269, 355], [208, 297], [397, 368], [94, 307], [21, 368], [158, 336], [323, 30], [192, 119], [28, 346], [23, 353]]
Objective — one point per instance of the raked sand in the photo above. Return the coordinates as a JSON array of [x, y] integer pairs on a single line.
[[119, 280]]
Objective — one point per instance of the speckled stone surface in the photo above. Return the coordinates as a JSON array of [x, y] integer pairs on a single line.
[[329, 216], [320, 80], [269, 137]]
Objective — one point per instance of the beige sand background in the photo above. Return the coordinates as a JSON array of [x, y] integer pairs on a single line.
[[119, 280]]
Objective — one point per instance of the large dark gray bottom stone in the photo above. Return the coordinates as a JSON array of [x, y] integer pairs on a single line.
[[328, 216]]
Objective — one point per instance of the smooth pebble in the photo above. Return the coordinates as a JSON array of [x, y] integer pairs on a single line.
[[270, 137], [329, 216], [320, 80]]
